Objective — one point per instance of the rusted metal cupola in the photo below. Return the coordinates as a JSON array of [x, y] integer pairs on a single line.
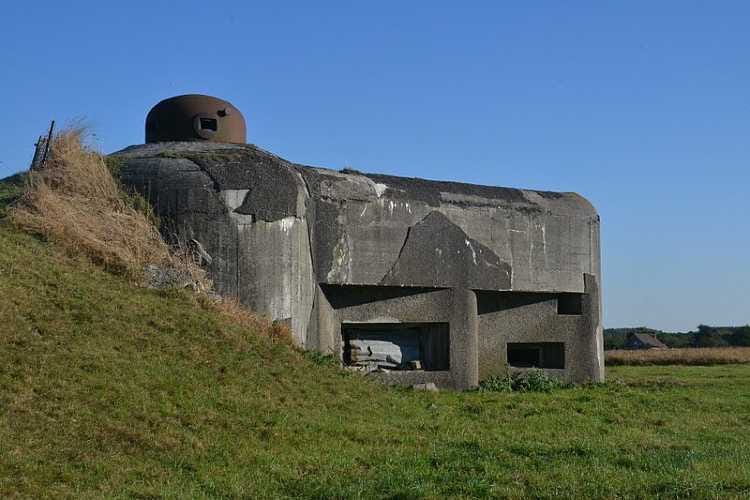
[[195, 117]]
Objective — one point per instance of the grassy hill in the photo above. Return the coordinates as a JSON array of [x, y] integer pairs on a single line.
[[107, 390]]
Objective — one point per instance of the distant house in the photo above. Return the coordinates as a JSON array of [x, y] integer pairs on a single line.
[[643, 341]]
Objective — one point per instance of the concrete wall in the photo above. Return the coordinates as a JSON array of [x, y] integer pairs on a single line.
[[287, 239], [533, 317], [373, 229]]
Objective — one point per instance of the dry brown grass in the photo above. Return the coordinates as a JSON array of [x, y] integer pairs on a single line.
[[238, 314], [77, 203], [686, 356]]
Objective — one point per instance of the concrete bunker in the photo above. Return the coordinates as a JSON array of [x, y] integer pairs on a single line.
[[410, 280]]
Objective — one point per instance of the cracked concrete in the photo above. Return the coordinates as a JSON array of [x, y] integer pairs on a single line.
[[436, 252]]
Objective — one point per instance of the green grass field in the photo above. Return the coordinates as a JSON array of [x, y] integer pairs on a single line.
[[111, 391]]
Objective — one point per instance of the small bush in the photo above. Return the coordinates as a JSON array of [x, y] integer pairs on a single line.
[[533, 380], [497, 383], [537, 381]]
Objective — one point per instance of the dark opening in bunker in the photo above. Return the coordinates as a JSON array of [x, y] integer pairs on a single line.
[[536, 355], [570, 303], [397, 346], [209, 124]]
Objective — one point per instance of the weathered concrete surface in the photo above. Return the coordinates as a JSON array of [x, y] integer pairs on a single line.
[[275, 271], [542, 240], [317, 247], [432, 242]]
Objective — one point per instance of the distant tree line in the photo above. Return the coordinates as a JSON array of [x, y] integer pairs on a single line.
[[704, 336]]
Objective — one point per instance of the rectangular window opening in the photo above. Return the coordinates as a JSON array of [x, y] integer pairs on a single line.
[[536, 355], [570, 303], [209, 124], [397, 346]]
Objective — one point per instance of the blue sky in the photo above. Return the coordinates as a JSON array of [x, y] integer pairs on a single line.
[[642, 107]]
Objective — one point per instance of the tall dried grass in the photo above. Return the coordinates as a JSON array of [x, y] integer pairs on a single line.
[[76, 202], [238, 314], [686, 356]]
